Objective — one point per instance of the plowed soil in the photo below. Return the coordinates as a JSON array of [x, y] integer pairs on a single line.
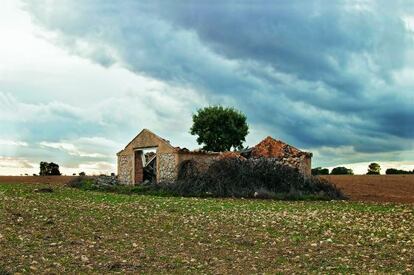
[[53, 180], [381, 188]]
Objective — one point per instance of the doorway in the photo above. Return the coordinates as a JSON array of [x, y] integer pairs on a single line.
[[145, 165]]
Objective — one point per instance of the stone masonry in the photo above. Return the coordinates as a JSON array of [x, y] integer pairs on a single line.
[[168, 158], [125, 169], [283, 153], [167, 167]]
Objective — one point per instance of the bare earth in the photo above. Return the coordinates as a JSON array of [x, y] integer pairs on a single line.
[[68, 230], [54, 180], [383, 188]]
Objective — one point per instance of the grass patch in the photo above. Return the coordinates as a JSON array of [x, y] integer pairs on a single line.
[[3, 271], [75, 231]]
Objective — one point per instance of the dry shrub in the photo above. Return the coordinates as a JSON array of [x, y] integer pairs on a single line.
[[233, 177]]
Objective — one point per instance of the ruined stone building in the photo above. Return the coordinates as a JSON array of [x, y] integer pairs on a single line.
[[149, 157]]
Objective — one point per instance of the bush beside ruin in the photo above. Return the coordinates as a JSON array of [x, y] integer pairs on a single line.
[[251, 178], [226, 177]]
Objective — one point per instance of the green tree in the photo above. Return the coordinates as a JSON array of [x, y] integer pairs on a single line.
[[49, 169], [374, 169], [220, 129], [320, 171], [342, 171], [393, 171]]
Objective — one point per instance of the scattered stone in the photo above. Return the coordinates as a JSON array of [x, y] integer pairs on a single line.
[[104, 180], [84, 259], [43, 190]]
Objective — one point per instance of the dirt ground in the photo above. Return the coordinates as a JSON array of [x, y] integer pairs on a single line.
[[54, 180], [381, 188], [70, 231]]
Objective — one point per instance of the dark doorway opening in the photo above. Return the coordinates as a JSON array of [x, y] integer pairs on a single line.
[[146, 166]]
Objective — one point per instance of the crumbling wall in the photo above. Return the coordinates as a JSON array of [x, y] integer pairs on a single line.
[[202, 159], [167, 167], [302, 163], [306, 166], [144, 140], [125, 169], [283, 153]]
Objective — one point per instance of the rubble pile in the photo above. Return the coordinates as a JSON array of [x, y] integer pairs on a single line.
[[104, 180], [272, 148], [231, 155]]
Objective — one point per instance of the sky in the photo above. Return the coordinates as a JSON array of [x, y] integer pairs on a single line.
[[79, 79]]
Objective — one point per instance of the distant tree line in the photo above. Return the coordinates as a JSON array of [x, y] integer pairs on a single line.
[[373, 169], [320, 171], [335, 171], [52, 169], [393, 171]]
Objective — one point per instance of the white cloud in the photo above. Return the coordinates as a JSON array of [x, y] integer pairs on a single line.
[[14, 166], [13, 143], [13, 162], [82, 86], [71, 149]]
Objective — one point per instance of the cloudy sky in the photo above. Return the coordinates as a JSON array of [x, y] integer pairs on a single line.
[[79, 79]]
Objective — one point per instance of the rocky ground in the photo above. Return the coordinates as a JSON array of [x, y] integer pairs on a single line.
[[66, 230]]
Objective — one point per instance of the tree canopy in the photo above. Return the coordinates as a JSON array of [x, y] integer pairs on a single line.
[[49, 169], [394, 171], [342, 171], [220, 129], [374, 169], [320, 171]]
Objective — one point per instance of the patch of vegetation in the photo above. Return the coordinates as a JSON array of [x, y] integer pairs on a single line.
[[393, 171], [320, 171], [71, 231], [232, 177], [252, 178], [219, 128], [341, 171], [49, 169], [91, 184], [374, 169], [3, 271]]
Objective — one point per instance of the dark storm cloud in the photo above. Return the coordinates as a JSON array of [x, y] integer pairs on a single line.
[[318, 73]]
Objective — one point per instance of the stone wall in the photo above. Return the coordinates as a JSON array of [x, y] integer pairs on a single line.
[[302, 163], [125, 169], [144, 140], [167, 167], [284, 153], [202, 159]]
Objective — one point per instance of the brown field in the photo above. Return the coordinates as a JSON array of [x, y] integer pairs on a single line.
[[68, 230], [381, 188], [54, 180]]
